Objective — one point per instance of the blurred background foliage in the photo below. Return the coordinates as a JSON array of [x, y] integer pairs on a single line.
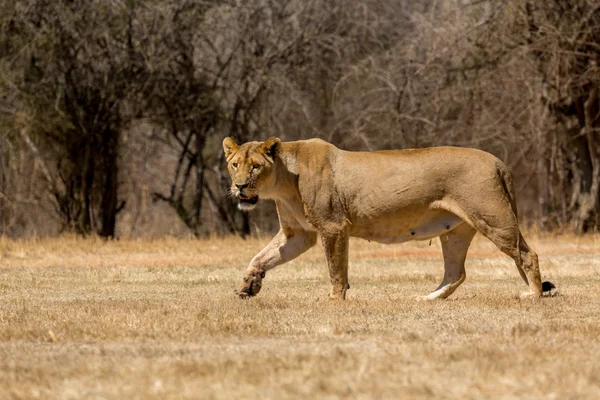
[[112, 112]]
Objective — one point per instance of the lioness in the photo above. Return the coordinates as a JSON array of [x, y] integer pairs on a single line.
[[388, 196]]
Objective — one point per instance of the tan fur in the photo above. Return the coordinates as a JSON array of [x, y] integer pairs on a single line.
[[387, 196]]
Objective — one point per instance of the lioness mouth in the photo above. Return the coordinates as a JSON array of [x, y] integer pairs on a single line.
[[247, 200]]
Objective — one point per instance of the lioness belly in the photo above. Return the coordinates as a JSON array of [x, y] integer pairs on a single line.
[[414, 225]]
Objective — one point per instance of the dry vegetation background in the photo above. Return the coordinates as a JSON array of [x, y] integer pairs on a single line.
[[112, 112], [87, 318]]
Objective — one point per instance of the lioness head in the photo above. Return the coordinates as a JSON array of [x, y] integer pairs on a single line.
[[251, 168]]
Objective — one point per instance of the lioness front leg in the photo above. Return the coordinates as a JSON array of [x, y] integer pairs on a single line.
[[455, 245], [335, 244], [285, 246]]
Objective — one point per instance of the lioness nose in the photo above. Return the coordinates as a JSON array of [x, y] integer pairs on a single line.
[[241, 185]]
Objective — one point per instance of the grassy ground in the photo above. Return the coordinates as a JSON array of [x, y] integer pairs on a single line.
[[159, 319]]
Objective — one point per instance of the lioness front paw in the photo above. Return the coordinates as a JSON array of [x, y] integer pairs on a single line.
[[251, 284]]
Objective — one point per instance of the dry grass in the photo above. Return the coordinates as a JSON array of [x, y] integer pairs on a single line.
[[158, 319]]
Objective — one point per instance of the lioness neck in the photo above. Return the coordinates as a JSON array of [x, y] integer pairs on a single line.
[[291, 161], [286, 175]]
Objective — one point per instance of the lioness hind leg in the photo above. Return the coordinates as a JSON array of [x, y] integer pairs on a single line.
[[530, 266], [496, 219], [455, 245], [510, 241]]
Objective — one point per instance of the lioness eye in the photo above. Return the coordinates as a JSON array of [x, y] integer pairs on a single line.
[[256, 166], [234, 165]]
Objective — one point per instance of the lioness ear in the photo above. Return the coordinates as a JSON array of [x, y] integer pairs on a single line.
[[229, 147], [270, 147]]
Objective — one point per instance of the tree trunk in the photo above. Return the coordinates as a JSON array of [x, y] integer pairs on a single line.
[[245, 229], [3, 205], [543, 181], [543, 191], [84, 223], [109, 208], [589, 201], [199, 192]]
